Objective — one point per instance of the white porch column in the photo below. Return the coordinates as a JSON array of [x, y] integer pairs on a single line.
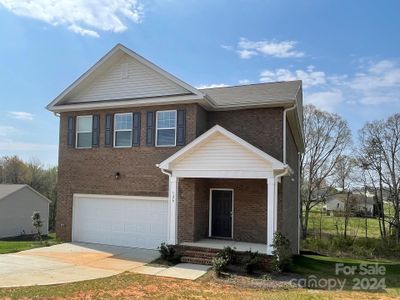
[[272, 209], [173, 211]]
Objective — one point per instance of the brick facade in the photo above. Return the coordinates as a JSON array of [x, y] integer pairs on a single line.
[[92, 171]]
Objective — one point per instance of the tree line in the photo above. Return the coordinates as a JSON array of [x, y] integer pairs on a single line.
[[333, 162]]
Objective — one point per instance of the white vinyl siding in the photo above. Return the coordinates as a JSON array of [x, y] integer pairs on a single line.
[[131, 221], [125, 78], [220, 153], [84, 132], [166, 128], [123, 130]]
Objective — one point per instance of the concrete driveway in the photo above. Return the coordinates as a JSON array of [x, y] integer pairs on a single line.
[[70, 262]]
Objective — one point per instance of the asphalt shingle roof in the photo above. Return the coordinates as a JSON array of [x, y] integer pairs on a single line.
[[8, 189], [261, 93]]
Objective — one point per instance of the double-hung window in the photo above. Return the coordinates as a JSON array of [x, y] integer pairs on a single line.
[[84, 131], [123, 130], [166, 128]]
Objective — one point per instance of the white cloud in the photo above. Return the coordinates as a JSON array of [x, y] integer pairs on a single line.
[[11, 145], [309, 76], [282, 49], [84, 17], [378, 83], [326, 100], [7, 130], [212, 85], [21, 115], [244, 81]]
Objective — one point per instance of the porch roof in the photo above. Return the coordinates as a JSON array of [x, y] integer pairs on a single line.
[[219, 153]]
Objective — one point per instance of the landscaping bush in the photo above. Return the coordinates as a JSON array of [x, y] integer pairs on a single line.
[[251, 261], [168, 253], [219, 264], [282, 252], [227, 253]]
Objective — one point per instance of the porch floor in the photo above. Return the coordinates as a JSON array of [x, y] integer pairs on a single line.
[[220, 244]]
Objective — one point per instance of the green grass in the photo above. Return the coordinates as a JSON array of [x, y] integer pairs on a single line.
[[16, 244], [325, 267]]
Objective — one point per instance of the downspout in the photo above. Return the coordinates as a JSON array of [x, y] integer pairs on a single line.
[[285, 129]]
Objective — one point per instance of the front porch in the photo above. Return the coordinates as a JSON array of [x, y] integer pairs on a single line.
[[221, 244], [220, 186]]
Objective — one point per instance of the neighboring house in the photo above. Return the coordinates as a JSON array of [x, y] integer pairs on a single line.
[[146, 158], [357, 202], [18, 202]]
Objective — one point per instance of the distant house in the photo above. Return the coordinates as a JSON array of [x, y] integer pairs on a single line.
[[17, 204], [359, 204]]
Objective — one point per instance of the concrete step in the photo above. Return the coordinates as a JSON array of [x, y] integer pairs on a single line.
[[196, 260]]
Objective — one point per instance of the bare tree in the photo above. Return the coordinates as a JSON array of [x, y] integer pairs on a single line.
[[327, 135], [380, 152]]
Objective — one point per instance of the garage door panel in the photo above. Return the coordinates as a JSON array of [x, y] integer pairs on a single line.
[[132, 222]]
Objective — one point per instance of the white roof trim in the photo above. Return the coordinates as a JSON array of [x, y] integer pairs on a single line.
[[276, 164], [120, 47]]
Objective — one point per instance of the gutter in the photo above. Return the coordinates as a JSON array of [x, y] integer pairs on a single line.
[[285, 130]]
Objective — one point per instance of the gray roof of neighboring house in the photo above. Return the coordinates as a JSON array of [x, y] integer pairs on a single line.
[[280, 93], [8, 189]]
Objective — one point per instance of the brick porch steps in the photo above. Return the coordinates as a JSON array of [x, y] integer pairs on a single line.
[[198, 255]]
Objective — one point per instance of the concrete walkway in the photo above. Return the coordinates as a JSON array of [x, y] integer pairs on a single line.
[[72, 262]]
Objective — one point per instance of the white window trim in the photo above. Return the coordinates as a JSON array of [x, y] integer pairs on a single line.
[[116, 130], [210, 211], [84, 131], [156, 131]]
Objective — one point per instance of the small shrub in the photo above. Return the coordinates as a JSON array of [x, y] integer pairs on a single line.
[[281, 252], [219, 264], [38, 224], [266, 277], [227, 253], [169, 254], [251, 261]]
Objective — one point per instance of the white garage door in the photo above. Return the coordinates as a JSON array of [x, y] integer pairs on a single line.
[[119, 220]]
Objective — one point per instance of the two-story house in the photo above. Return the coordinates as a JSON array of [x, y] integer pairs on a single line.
[[146, 158]]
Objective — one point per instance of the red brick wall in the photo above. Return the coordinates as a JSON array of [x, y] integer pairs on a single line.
[[250, 209], [92, 171]]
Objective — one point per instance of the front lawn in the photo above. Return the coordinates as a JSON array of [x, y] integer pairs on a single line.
[[132, 286], [20, 243]]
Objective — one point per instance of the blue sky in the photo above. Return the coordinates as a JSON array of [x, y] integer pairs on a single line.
[[346, 52]]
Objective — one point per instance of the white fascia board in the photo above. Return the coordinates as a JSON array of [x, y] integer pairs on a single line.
[[222, 174]]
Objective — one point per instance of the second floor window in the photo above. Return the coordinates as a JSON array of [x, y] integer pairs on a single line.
[[166, 128], [123, 130], [84, 131]]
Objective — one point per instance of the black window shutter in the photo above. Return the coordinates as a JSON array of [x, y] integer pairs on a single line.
[[150, 128], [136, 129], [181, 127], [95, 130], [71, 131], [108, 138]]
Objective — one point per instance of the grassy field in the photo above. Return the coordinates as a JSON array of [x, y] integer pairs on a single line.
[[16, 244]]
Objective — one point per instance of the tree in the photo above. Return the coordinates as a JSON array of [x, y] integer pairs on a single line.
[[380, 153], [327, 136]]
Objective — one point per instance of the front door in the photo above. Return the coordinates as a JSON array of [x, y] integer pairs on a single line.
[[221, 213]]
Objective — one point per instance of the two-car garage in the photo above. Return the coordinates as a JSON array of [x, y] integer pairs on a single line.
[[131, 221]]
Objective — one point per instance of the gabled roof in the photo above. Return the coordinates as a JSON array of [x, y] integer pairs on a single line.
[[9, 189], [114, 52], [217, 129]]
